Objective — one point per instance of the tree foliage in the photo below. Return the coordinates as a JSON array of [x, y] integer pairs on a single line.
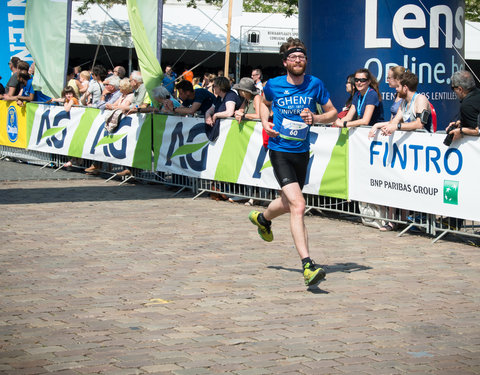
[[288, 7], [472, 10]]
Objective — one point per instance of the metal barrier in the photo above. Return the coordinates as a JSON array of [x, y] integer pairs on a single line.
[[414, 222]]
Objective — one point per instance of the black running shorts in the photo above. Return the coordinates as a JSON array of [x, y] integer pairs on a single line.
[[289, 167]]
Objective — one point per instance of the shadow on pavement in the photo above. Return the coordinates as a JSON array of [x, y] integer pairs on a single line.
[[338, 267], [84, 194]]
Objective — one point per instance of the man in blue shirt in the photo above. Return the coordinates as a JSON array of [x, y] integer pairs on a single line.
[[293, 99], [169, 78], [193, 100]]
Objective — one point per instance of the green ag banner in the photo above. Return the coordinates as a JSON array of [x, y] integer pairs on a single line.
[[238, 156], [81, 133]]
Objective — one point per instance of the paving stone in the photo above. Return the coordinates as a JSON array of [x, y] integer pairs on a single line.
[[98, 278]]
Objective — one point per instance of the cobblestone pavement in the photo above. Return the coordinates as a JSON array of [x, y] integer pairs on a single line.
[[100, 278]]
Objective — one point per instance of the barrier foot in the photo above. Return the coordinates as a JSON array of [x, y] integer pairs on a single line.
[[178, 192], [46, 165], [439, 237], [201, 193], [111, 177], [127, 179], [56, 170], [405, 230]]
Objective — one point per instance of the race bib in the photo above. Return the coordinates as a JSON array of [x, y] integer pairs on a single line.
[[293, 130]]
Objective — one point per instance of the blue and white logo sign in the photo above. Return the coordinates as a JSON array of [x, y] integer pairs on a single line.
[[427, 37], [12, 124]]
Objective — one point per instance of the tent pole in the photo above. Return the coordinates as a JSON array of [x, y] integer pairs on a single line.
[[159, 30], [229, 31], [67, 41]]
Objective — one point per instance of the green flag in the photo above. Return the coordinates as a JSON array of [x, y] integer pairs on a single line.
[[46, 39], [142, 16]]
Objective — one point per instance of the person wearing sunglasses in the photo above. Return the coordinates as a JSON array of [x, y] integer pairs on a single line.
[[463, 85], [293, 98], [367, 107]]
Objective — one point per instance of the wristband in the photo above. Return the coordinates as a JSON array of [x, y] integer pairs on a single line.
[[399, 126], [461, 131], [345, 124]]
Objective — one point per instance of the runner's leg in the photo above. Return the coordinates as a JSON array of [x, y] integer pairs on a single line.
[[296, 204]]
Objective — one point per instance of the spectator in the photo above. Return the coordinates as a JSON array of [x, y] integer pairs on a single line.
[[257, 78], [76, 71], [226, 103], [69, 98], [196, 83], [119, 71], [111, 91], [393, 77], [188, 75], [38, 96], [139, 90], [162, 96], [211, 78], [126, 97], [95, 88], [463, 85], [2, 89], [414, 112], [367, 107], [193, 100], [205, 80], [169, 78], [27, 93], [250, 108], [122, 103], [84, 81], [13, 86], [165, 100], [350, 88], [72, 82]]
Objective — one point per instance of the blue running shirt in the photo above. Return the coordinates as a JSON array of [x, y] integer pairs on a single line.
[[287, 102]]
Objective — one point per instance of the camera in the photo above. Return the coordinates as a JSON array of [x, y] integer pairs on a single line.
[[449, 138]]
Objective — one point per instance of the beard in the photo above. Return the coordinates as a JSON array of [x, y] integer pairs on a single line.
[[296, 69], [402, 95]]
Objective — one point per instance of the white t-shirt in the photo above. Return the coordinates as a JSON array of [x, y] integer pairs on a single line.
[[95, 88]]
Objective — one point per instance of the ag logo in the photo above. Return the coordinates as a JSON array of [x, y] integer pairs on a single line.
[[450, 192], [12, 124]]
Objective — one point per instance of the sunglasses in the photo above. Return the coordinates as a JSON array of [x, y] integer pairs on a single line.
[[363, 80], [454, 87]]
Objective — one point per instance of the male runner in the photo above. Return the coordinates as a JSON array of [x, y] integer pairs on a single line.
[[293, 98]]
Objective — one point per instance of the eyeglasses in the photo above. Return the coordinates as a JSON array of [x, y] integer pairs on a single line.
[[295, 57], [454, 87], [363, 80]]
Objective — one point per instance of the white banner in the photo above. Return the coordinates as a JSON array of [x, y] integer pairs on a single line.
[[239, 156], [81, 133], [415, 171]]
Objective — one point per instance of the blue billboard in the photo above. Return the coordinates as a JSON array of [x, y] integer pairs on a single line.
[[425, 36], [12, 35]]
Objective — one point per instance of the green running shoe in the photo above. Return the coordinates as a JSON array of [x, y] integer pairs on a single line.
[[264, 231], [312, 273]]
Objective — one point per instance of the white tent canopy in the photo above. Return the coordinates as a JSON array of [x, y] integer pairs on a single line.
[[472, 40], [202, 29]]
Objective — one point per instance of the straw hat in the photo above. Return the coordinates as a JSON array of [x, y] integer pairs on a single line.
[[248, 85]]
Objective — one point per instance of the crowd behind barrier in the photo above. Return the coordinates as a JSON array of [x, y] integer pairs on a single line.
[[388, 173], [230, 178]]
